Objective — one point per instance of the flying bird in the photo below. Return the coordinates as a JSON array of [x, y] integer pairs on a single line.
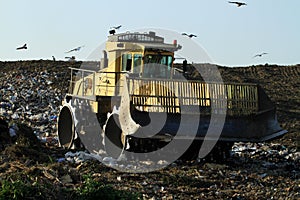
[[260, 55], [116, 27], [76, 49], [22, 47], [239, 4], [189, 35]]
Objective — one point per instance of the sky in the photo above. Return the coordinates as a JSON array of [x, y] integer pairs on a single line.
[[230, 35]]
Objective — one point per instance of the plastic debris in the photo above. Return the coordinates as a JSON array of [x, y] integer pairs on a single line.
[[27, 95]]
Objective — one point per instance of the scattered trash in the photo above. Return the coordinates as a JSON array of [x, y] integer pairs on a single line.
[[61, 160], [81, 156], [31, 96], [263, 175], [13, 130], [109, 161], [162, 162]]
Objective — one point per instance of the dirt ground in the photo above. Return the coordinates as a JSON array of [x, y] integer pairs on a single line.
[[35, 169]]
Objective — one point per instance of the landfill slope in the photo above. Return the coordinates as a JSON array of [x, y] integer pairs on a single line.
[[281, 83], [30, 96]]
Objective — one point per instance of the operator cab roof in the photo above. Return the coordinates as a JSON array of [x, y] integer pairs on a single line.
[[144, 40]]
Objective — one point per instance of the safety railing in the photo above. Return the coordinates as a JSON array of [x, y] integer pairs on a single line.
[[88, 83], [171, 96], [81, 81], [174, 96]]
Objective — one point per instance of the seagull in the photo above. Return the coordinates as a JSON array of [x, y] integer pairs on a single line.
[[189, 35], [260, 55], [72, 58], [76, 49], [239, 4], [116, 27], [22, 47], [68, 57]]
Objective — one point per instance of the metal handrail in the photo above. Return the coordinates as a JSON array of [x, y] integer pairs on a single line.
[[235, 99]]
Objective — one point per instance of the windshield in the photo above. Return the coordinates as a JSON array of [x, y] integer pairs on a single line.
[[157, 66]]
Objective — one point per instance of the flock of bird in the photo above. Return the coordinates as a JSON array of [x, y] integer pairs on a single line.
[[67, 57], [238, 4], [72, 50], [114, 28]]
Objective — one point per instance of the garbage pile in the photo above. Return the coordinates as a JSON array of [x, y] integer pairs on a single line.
[[122, 163], [29, 95], [273, 155]]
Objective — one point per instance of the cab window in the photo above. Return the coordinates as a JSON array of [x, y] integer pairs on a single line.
[[126, 62], [157, 66], [137, 61]]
